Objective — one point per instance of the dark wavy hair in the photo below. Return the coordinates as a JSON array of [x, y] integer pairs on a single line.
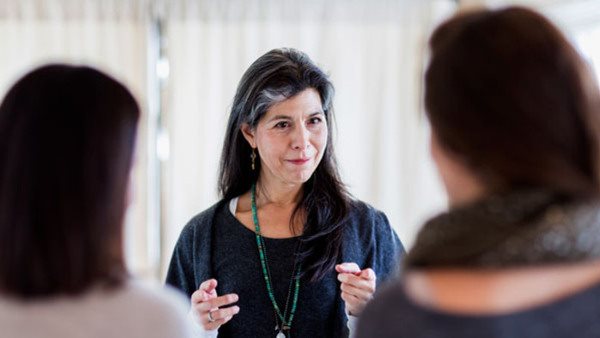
[[67, 136], [285, 73], [506, 92]]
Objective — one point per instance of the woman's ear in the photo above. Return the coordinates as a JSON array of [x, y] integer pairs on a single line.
[[248, 133]]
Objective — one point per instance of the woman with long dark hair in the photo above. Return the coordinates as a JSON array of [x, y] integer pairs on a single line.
[[67, 136], [515, 122], [286, 243]]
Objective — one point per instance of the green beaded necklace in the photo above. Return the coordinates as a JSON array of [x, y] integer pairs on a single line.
[[286, 325]]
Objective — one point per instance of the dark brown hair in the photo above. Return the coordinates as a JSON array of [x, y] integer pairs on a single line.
[[507, 93], [284, 73], [66, 141]]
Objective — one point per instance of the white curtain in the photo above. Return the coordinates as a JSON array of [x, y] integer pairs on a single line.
[[571, 15], [588, 42], [374, 52], [110, 35]]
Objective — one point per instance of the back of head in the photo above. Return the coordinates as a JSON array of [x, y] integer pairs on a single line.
[[66, 143], [510, 97]]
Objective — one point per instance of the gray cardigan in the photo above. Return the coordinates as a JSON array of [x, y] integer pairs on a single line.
[[368, 240]]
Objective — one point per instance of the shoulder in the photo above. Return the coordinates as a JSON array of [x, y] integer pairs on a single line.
[[392, 313], [366, 219], [358, 209], [381, 316], [190, 262], [201, 223], [134, 309], [154, 297], [371, 241], [162, 309]]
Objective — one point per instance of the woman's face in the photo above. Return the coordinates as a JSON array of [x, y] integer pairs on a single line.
[[291, 138]]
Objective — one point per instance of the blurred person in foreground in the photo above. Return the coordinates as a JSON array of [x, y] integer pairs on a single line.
[[67, 137], [515, 117]]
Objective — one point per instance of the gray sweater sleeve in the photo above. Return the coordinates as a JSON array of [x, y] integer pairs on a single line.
[[372, 243], [190, 263]]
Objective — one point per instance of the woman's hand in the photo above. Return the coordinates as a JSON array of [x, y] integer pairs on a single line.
[[357, 286], [206, 306]]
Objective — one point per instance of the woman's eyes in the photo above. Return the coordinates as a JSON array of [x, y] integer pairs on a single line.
[[287, 124], [315, 120], [282, 124]]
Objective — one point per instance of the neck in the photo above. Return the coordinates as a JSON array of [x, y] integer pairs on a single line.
[[268, 192], [466, 192], [500, 291]]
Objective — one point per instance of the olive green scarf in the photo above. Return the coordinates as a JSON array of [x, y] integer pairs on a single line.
[[517, 229]]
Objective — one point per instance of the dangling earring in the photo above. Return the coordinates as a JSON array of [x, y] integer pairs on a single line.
[[253, 158]]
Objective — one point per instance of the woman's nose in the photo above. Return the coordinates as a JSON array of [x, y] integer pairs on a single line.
[[301, 138]]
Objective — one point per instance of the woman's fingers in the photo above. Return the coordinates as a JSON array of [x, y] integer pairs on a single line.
[[349, 267], [208, 285], [354, 306], [205, 291], [217, 302], [363, 294], [366, 280], [213, 319], [357, 286], [368, 274], [206, 304], [351, 300], [222, 316]]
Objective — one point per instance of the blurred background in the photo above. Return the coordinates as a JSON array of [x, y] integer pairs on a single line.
[[183, 58]]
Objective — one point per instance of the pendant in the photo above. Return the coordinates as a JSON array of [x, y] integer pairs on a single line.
[[280, 335]]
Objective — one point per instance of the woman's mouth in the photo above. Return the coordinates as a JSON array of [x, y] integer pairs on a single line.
[[299, 161]]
